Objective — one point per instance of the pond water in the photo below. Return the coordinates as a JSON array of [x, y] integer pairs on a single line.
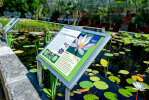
[[125, 64]]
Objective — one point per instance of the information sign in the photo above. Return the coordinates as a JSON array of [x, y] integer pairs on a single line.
[[71, 52], [10, 25]]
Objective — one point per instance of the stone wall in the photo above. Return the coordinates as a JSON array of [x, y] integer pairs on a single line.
[[17, 82]]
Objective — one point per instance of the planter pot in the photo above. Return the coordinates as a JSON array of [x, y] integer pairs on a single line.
[[146, 29], [136, 30], [126, 20], [116, 28]]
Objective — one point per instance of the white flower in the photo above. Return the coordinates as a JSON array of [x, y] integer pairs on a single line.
[[81, 44], [139, 86]]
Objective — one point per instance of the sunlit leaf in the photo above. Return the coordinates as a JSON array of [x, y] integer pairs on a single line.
[[59, 94], [123, 72], [110, 96], [125, 92], [130, 81], [146, 62], [134, 77], [90, 97], [137, 35], [94, 78], [34, 70], [84, 90], [114, 79], [89, 70], [101, 85], [131, 89], [19, 51], [103, 62], [95, 72], [86, 84], [127, 41], [108, 54]]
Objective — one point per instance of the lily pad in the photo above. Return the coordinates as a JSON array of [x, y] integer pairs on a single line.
[[125, 72], [86, 84], [114, 79], [125, 92], [146, 62], [129, 80], [122, 53], [128, 50], [94, 78], [108, 54], [90, 97], [115, 54], [101, 85], [95, 72], [59, 94], [127, 41], [131, 89], [137, 35], [89, 70], [104, 63], [110, 95], [147, 49], [71, 93]]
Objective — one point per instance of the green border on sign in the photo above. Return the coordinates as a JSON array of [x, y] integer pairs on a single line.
[[78, 66]]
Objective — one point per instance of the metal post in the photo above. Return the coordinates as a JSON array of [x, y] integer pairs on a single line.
[[7, 39], [67, 94], [39, 73]]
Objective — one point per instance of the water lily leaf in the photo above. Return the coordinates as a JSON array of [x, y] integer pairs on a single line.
[[146, 62], [109, 73], [108, 54], [101, 85], [71, 93], [130, 80], [34, 70], [104, 63], [131, 89], [90, 97], [59, 94], [86, 84], [94, 78], [115, 54], [123, 72], [125, 92], [95, 72], [91, 74], [58, 84], [89, 70], [147, 49], [103, 49], [110, 95], [114, 79], [127, 50], [134, 77], [122, 53], [127, 41], [28, 46], [137, 35]]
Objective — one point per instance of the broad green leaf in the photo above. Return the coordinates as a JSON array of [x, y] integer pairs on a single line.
[[104, 63], [110, 96], [114, 79], [90, 97], [129, 80], [125, 92], [137, 35], [122, 53], [147, 49], [86, 84], [94, 78], [47, 91], [108, 54], [131, 89], [89, 70], [123, 72], [127, 41], [95, 72], [101, 85], [146, 62]]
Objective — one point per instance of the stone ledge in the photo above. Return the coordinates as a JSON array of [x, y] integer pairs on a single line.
[[17, 82]]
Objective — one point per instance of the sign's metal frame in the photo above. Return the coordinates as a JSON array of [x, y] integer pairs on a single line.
[[78, 75], [10, 25]]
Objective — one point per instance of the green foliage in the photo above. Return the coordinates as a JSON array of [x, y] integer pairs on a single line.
[[101, 85], [114, 79], [125, 92], [94, 78], [90, 97], [86, 84], [129, 80], [110, 95]]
